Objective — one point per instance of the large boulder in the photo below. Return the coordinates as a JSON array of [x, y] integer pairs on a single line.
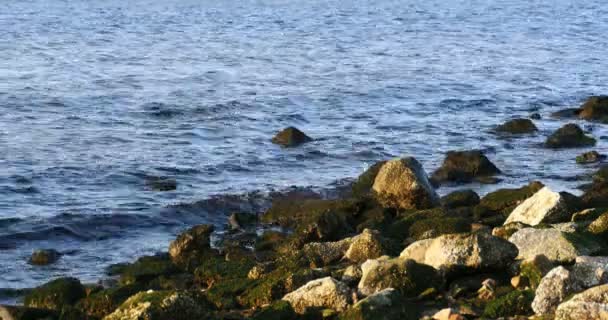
[[290, 137], [556, 245], [321, 293], [595, 109], [367, 245], [364, 183], [517, 126], [405, 275], [162, 305], [553, 289], [545, 206], [591, 304], [387, 304], [464, 166], [191, 245], [569, 136], [455, 253], [403, 183], [55, 294]]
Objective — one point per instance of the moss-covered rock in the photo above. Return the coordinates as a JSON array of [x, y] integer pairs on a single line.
[[517, 126], [104, 302], [162, 305], [460, 198], [215, 269], [588, 214], [511, 304], [269, 240], [434, 227], [503, 201], [595, 109], [290, 137], [590, 157], [146, 269], [280, 310], [569, 136], [535, 269], [596, 196], [56, 294], [363, 185], [43, 257], [388, 304], [464, 166], [599, 226], [25, 313], [406, 276]]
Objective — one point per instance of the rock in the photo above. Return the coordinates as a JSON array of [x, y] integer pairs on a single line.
[[43, 257], [352, 274], [403, 183], [487, 290], [545, 206], [464, 166], [55, 294], [444, 314], [280, 310], [290, 137], [590, 271], [519, 282], [599, 226], [321, 293], [404, 275], [259, 270], [367, 245], [101, 303], [191, 245], [569, 136], [456, 253], [535, 269], [553, 289], [325, 253], [535, 116], [508, 229], [515, 303], [592, 304], [503, 201], [387, 304], [590, 157], [587, 215], [146, 269], [566, 113], [240, 220], [364, 183], [517, 126], [556, 245], [461, 198], [162, 305], [595, 109], [601, 175], [161, 184], [596, 196], [24, 313]]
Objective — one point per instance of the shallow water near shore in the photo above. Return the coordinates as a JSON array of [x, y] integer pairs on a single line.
[[98, 96]]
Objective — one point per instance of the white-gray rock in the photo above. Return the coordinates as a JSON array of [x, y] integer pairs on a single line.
[[545, 206], [591, 271], [591, 304], [556, 245], [324, 293], [367, 245], [553, 289]]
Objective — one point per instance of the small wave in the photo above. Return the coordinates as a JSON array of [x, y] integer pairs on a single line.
[[162, 110]]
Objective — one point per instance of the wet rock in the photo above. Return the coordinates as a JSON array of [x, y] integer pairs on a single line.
[[553, 289], [463, 167], [55, 294], [457, 253], [461, 198], [402, 183], [590, 157], [516, 303], [321, 293], [290, 137], [191, 245], [43, 257], [406, 276], [566, 113], [367, 245], [545, 206], [535, 116], [24, 313], [517, 126], [364, 183], [161, 305], [161, 184], [435, 227], [591, 304], [387, 304], [102, 303], [556, 245], [595, 109], [569, 136], [596, 196]]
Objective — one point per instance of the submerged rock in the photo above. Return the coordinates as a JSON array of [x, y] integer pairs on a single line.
[[405, 275], [591, 304], [517, 126], [545, 206], [595, 109], [290, 137], [162, 305], [464, 166], [590, 157], [191, 245], [455, 253], [553, 289], [556, 245], [321, 293], [569, 136], [43, 257], [55, 294], [403, 183]]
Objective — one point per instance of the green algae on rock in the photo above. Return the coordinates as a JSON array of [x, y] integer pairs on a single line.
[[463, 167], [569, 136], [290, 137], [516, 303], [517, 126], [162, 305], [56, 294]]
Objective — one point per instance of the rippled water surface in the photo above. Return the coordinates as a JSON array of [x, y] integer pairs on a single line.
[[96, 96]]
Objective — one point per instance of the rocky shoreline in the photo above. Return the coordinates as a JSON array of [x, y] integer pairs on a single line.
[[391, 248]]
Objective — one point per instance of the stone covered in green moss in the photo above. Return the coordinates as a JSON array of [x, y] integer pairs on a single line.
[[516, 303], [595, 109], [405, 275], [589, 157], [569, 136], [388, 304], [162, 305], [517, 126], [464, 166], [280, 310], [503, 201], [534, 270], [25, 313], [191, 246], [460, 198], [434, 227], [599, 226], [215, 269], [56, 294], [363, 185], [146, 269], [104, 302]]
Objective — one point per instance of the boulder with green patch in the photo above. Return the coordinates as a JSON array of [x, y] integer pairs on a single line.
[[55, 294]]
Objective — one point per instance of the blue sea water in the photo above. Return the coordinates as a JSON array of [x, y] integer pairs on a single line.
[[96, 96]]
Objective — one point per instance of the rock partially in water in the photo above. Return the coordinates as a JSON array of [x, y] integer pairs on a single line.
[[464, 167], [321, 293], [191, 245], [43, 257], [55, 294], [545, 206], [403, 183], [595, 109], [161, 184], [590, 157], [517, 126], [591, 304], [460, 198], [241, 220], [566, 113], [162, 305], [290, 137], [569, 136]]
